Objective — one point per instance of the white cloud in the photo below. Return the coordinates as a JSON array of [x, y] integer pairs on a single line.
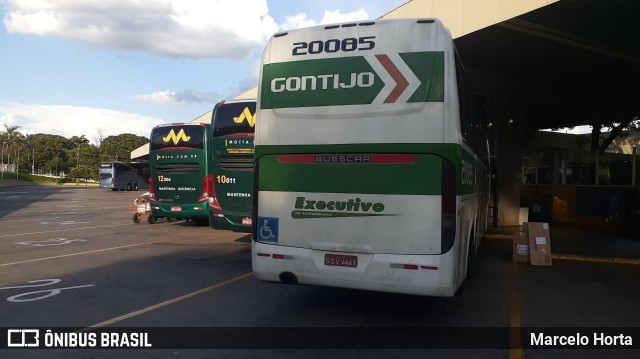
[[180, 98], [175, 28], [70, 121], [330, 17], [8, 119]]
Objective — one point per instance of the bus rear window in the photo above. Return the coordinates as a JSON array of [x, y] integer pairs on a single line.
[[191, 137], [234, 118], [178, 168]]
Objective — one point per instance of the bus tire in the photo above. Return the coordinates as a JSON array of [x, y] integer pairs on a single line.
[[135, 186], [151, 219]]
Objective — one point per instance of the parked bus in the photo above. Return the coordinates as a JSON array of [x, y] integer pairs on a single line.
[[232, 133], [371, 166], [180, 184], [130, 176]]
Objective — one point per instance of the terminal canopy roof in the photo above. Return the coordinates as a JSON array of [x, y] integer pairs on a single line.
[[570, 63]]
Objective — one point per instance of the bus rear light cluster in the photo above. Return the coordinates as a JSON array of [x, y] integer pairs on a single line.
[[152, 194], [207, 188], [211, 193], [275, 256], [411, 266]]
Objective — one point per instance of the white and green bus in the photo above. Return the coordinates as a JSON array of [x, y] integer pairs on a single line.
[[371, 164]]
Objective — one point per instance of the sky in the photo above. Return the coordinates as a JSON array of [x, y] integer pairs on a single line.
[[106, 67]]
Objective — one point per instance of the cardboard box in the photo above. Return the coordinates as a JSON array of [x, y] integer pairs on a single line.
[[521, 245], [539, 243]]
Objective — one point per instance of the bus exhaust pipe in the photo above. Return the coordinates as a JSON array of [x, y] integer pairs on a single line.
[[288, 278]]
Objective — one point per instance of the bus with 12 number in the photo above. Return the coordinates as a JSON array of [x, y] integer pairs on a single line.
[[180, 183], [371, 167]]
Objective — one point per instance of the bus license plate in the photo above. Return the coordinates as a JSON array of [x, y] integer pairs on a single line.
[[340, 260], [176, 208], [246, 220]]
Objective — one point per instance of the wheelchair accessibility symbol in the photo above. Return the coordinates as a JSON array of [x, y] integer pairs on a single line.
[[268, 229]]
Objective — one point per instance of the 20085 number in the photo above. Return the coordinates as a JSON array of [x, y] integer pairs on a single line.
[[333, 45]]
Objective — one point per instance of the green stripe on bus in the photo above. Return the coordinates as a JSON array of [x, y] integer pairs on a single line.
[[451, 151], [429, 68], [420, 178], [378, 183], [345, 81]]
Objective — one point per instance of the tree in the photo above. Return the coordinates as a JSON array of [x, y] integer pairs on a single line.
[[52, 152], [10, 137], [118, 148], [614, 130], [98, 137], [81, 172]]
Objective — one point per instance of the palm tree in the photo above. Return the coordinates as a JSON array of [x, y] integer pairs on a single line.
[[11, 136]]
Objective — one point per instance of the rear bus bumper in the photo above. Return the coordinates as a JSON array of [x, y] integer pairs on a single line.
[[434, 275], [197, 210], [229, 221]]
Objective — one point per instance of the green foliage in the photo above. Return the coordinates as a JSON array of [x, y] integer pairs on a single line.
[[53, 154], [82, 172], [118, 148]]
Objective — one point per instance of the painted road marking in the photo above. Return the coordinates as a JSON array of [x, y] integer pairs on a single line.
[[58, 230], [57, 215], [50, 242], [64, 223], [80, 253], [45, 293], [167, 302], [12, 197]]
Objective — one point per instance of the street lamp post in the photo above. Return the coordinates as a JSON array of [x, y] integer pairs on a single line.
[[18, 163]]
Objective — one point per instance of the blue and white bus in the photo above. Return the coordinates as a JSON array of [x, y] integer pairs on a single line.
[[121, 176]]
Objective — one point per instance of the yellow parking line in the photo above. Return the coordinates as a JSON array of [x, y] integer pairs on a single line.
[[515, 322], [573, 257], [167, 302]]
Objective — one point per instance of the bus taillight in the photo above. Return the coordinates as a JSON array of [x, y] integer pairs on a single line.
[[152, 194], [209, 193], [207, 189]]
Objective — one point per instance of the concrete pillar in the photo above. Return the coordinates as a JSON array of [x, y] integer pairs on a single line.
[[634, 155], [510, 147]]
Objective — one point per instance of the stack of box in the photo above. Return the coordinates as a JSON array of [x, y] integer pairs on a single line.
[[532, 244]]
